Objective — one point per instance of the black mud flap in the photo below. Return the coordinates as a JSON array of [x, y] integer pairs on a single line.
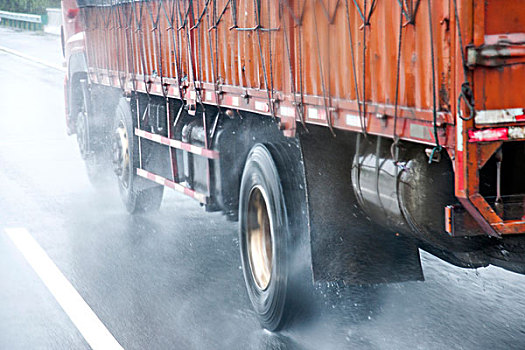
[[345, 244]]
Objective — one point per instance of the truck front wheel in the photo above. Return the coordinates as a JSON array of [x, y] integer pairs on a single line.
[[90, 140], [263, 238]]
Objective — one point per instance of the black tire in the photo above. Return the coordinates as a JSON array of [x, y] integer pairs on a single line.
[[269, 295], [91, 142], [136, 199]]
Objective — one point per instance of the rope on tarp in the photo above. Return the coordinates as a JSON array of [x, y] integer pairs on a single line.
[[394, 149], [409, 10], [354, 69], [298, 20], [326, 95], [466, 93], [437, 148]]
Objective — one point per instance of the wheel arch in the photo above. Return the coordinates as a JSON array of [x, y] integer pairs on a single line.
[[77, 70]]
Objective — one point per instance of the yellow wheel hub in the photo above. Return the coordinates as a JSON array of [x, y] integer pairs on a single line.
[[260, 249]]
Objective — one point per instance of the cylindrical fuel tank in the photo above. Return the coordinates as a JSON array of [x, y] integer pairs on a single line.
[[408, 195], [195, 172], [375, 179]]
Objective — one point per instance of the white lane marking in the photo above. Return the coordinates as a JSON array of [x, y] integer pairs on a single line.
[[89, 325], [31, 58]]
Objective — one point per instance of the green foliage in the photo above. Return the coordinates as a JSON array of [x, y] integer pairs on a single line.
[[28, 6]]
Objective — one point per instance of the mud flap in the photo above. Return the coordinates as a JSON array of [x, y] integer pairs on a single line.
[[345, 244]]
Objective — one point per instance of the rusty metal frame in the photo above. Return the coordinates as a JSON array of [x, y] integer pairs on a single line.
[[471, 157]]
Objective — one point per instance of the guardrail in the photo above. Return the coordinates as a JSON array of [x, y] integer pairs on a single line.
[[54, 21], [22, 20]]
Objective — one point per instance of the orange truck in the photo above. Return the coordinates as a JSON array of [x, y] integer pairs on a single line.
[[343, 135]]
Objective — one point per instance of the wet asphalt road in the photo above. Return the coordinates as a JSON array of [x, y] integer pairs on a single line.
[[172, 279]]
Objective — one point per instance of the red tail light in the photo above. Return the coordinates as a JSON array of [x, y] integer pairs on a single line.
[[483, 135], [72, 13]]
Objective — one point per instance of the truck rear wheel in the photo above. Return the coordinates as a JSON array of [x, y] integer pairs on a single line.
[[125, 162], [263, 238]]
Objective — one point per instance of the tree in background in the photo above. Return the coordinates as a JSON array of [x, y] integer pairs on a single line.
[[37, 7]]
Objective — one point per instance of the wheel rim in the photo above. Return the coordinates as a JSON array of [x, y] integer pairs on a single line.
[[259, 240], [121, 154]]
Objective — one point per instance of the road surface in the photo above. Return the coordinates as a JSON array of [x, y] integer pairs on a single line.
[[172, 279]]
